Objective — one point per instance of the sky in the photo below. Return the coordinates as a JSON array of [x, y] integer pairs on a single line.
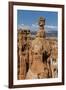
[[29, 19]]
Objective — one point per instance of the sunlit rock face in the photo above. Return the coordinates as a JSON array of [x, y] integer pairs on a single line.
[[40, 50], [23, 59], [38, 57]]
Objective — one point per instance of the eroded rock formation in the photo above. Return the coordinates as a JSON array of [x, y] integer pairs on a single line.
[[38, 57]]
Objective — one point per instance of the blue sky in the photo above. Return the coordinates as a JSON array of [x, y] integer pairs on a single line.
[[29, 19]]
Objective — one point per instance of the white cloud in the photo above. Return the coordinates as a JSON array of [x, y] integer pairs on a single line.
[[22, 26], [35, 27], [51, 27]]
